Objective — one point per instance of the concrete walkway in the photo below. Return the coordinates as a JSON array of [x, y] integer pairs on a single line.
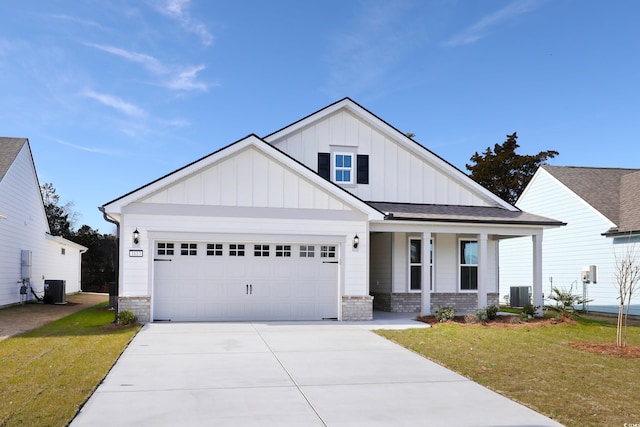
[[287, 374]]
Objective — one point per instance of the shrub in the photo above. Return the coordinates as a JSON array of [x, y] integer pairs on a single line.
[[565, 300], [481, 315], [471, 318], [445, 313], [492, 312], [528, 312], [126, 317]]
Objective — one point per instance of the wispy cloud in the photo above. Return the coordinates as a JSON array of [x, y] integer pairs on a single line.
[[481, 28], [87, 149], [179, 10], [80, 21], [362, 55], [116, 103], [171, 76]]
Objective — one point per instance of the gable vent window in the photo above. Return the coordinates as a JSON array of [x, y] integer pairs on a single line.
[[344, 168], [63, 251], [189, 249]]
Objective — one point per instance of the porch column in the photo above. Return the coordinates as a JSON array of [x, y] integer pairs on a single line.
[[425, 305], [537, 272], [483, 270]]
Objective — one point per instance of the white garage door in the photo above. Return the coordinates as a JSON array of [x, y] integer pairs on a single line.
[[201, 281]]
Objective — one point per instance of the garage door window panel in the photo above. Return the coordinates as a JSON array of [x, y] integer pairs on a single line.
[[236, 249], [189, 249], [283, 251], [307, 251], [214, 249], [261, 250], [165, 248], [327, 251]]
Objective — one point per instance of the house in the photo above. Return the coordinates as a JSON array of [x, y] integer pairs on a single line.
[[331, 217], [29, 254], [600, 207]]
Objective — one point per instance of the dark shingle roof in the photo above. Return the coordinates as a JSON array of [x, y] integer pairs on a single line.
[[600, 187], [629, 203], [9, 149], [452, 213]]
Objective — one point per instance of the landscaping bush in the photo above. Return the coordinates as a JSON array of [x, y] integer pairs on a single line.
[[126, 317], [492, 312], [481, 315], [528, 312], [445, 313], [471, 318]]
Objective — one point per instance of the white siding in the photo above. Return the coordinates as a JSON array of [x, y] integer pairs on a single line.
[[396, 172], [565, 250], [248, 179], [25, 228]]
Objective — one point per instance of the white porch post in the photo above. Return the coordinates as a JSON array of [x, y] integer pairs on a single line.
[[483, 270], [537, 271], [425, 305]]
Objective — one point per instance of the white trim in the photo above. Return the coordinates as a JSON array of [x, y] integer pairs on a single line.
[[411, 237], [460, 265]]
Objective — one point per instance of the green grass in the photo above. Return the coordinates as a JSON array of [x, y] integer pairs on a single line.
[[48, 373], [537, 367]]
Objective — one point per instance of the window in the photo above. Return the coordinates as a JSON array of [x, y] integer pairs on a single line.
[[63, 251], [236, 250], [468, 265], [283, 250], [415, 264], [327, 251], [214, 249], [307, 251], [189, 249], [344, 168], [260, 250], [165, 248]]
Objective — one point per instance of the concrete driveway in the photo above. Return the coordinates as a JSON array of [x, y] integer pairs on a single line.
[[287, 374]]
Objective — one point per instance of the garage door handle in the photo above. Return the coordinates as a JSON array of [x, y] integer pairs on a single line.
[[250, 289], [329, 262], [247, 289], [160, 259]]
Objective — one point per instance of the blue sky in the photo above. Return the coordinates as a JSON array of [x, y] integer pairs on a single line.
[[114, 94]]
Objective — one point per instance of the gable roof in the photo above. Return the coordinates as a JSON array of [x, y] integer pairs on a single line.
[[250, 140], [9, 150], [413, 146], [611, 191]]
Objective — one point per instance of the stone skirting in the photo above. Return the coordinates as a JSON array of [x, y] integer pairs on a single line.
[[357, 307], [464, 303], [397, 302], [141, 307]]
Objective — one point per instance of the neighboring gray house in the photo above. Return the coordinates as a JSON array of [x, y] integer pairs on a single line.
[[602, 210], [24, 230], [328, 217]]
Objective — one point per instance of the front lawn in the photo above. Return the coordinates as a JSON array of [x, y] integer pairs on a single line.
[[536, 366], [48, 373]]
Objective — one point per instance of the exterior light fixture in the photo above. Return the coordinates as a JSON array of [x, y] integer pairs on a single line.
[[136, 236], [356, 241]]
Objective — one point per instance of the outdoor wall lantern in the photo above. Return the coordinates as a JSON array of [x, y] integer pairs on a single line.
[[136, 236], [356, 241]]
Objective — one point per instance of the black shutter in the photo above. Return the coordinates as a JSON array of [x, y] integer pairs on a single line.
[[363, 169], [324, 165]]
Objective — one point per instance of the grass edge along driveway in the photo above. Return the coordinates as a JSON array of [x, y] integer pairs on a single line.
[[48, 373], [536, 366]]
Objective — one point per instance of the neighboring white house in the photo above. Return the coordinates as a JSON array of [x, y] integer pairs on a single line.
[[24, 231], [327, 218], [600, 207]]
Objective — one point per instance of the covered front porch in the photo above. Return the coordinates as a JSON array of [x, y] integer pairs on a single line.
[[422, 259]]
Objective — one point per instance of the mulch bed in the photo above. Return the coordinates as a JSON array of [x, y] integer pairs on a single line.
[[608, 349]]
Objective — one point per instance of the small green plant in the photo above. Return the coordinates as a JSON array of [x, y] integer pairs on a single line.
[[566, 300], [528, 312], [492, 312], [126, 317], [445, 313], [471, 318], [481, 315]]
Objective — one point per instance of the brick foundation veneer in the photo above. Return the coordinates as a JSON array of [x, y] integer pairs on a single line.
[[141, 307], [357, 307]]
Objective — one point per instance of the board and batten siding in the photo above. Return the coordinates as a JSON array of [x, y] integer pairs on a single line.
[[25, 228], [397, 173], [565, 250]]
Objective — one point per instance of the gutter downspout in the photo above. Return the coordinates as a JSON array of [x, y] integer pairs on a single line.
[[117, 263]]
